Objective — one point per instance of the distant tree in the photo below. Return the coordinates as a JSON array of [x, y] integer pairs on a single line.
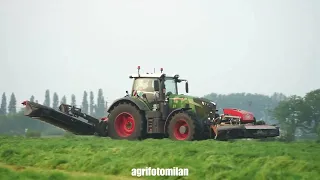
[[3, 107], [100, 104], [292, 116], [32, 98], [64, 100], [12, 107], [312, 99], [47, 98], [55, 101], [85, 105], [91, 103], [278, 97], [73, 100]]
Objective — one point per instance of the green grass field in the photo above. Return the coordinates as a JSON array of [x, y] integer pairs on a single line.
[[102, 158]]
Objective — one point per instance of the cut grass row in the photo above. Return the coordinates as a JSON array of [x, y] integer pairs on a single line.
[[205, 159], [10, 172]]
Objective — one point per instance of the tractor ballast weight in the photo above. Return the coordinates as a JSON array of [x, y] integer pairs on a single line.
[[154, 108]]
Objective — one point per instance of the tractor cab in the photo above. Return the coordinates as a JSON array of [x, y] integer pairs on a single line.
[[153, 86]]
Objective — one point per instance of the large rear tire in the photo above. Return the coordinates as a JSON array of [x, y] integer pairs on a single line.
[[126, 122], [184, 126]]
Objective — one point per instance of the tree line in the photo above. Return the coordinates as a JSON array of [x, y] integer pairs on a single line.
[[298, 117], [13, 122], [11, 108], [97, 109]]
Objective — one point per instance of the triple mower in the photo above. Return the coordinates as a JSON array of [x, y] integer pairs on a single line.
[[155, 109]]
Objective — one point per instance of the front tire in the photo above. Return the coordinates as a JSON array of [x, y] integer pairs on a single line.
[[184, 126], [126, 122]]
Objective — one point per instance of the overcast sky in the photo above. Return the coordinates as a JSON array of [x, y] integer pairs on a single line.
[[69, 46]]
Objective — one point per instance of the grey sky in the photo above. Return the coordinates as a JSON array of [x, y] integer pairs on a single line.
[[220, 46]]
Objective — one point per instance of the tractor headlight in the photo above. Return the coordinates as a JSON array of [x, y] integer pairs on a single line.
[[207, 104], [211, 115]]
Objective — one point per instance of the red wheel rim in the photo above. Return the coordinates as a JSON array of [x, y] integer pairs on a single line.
[[124, 124], [181, 130]]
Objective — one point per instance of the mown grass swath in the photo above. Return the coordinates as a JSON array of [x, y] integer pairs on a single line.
[[205, 159]]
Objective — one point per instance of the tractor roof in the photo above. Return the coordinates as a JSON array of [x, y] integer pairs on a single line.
[[152, 75]]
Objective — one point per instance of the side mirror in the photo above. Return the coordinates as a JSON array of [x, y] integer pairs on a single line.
[[156, 85], [187, 87]]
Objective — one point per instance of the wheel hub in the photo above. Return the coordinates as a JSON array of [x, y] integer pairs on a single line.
[[183, 129], [129, 125]]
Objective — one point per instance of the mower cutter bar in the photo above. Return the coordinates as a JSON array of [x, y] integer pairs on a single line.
[[60, 119], [245, 131]]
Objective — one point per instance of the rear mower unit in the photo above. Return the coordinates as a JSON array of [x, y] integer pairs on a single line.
[[155, 109]]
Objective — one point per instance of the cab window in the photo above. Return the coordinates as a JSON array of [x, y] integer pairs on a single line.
[[144, 84]]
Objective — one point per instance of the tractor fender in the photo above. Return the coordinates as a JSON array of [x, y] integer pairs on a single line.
[[139, 103], [171, 114]]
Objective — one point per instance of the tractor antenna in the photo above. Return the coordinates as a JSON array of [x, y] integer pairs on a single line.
[[154, 70], [139, 71]]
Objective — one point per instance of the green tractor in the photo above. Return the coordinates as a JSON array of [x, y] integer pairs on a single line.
[[154, 108]]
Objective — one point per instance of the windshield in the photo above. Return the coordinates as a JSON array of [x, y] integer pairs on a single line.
[[171, 86], [144, 84]]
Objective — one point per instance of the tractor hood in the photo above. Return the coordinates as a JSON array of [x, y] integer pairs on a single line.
[[194, 100], [205, 103], [202, 106]]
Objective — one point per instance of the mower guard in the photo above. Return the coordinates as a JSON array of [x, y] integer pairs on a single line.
[[58, 118], [245, 131]]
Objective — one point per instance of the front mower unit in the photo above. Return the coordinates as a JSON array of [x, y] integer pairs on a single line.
[[244, 131]]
